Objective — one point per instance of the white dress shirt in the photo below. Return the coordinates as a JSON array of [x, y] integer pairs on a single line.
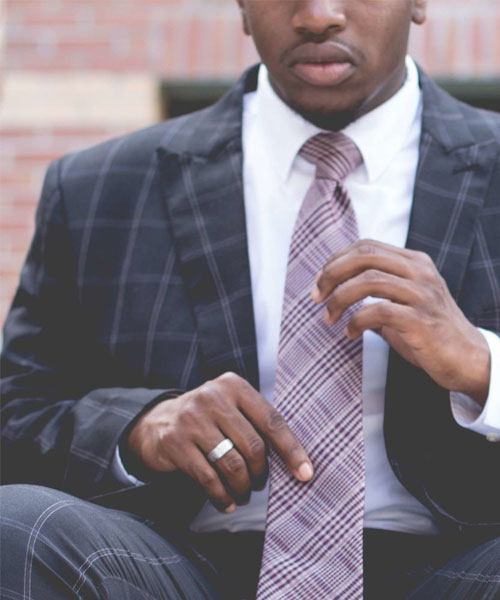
[[276, 180]]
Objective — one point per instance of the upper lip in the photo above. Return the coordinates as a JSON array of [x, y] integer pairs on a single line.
[[326, 52]]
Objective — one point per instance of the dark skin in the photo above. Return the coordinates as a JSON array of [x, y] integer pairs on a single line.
[[370, 34], [417, 316]]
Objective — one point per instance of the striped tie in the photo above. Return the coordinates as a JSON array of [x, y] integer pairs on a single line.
[[314, 533]]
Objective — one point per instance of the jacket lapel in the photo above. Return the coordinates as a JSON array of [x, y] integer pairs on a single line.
[[452, 180], [201, 174], [453, 177]]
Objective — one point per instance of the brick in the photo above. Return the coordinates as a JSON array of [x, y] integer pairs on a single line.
[[60, 54]]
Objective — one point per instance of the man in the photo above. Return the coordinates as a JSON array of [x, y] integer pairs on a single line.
[[143, 343]]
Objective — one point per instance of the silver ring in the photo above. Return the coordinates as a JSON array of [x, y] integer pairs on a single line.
[[220, 450]]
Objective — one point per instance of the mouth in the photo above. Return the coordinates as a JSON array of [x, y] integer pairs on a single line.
[[323, 65], [323, 74]]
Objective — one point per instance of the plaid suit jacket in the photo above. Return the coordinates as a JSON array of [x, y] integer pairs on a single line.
[[137, 285]]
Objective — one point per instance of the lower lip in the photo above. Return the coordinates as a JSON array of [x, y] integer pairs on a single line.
[[323, 74]]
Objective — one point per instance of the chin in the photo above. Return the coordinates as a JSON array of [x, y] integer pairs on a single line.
[[326, 116], [332, 120]]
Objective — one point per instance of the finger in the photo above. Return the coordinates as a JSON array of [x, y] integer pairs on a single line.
[[232, 466], [365, 255], [248, 442], [196, 466], [372, 283], [343, 267], [369, 246], [276, 430], [273, 427], [378, 315]]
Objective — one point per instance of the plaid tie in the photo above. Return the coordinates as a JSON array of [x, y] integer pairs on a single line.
[[314, 532]]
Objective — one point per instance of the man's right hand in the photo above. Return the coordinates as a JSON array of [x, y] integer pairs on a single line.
[[178, 434]]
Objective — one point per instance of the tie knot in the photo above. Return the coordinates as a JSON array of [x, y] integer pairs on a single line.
[[334, 155]]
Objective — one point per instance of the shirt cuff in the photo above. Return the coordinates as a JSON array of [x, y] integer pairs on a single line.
[[468, 413], [120, 472]]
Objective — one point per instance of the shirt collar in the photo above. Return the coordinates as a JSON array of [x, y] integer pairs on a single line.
[[387, 127]]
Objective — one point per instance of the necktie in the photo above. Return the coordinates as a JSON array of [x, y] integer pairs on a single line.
[[314, 532]]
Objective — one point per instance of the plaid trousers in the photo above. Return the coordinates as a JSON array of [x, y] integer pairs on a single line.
[[60, 547]]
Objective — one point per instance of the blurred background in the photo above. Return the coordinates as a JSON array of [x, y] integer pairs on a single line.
[[77, 72]]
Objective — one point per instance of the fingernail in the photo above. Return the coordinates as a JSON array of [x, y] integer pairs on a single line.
[[347, 334], [328, 317], [316, 294], [230, 509], [305, 472]]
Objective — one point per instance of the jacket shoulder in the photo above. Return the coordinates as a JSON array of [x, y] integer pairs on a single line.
[[107, 179], [484, 124], [453, 122], [134, 149]]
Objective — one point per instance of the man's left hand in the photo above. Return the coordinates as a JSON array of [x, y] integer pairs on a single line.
[[417, 317]]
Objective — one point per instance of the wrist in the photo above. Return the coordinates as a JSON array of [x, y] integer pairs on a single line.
[[131, 441], [476, 370], [132, 464]]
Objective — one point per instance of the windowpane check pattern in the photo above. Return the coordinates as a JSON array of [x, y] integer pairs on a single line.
[[314, 543]]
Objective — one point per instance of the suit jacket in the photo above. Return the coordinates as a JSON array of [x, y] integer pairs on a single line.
[[137, 286]]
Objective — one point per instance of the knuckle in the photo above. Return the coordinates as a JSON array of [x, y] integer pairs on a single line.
[[432, 294], [428, 275], [326, 272], [366, 248], [355, 320], [424, 297], [275, 422], [424, 258], [169, 441], [427, 322], [229, 378], [385, 310], [188, 416], [372, 276], [440, 288], [207, 478], [234, 464], [336, 299], [205, 394], [418, 300], [256, 448]]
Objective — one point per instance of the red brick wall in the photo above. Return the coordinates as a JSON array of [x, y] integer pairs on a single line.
[[50, 46], [178, 37]]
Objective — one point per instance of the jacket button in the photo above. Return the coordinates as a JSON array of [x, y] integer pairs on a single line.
[[493, 437]]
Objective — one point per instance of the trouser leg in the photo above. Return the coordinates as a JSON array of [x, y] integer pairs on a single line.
[[396, 563], [59, 547], [237, 558], [400, 566], [473, 575]]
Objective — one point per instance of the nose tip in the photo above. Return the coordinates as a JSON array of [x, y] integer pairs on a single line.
[[319, 16]]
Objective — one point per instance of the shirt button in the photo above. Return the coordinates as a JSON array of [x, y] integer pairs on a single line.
[[493, 437]]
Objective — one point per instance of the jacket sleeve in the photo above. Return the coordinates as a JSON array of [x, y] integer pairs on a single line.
[[61, 419]]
